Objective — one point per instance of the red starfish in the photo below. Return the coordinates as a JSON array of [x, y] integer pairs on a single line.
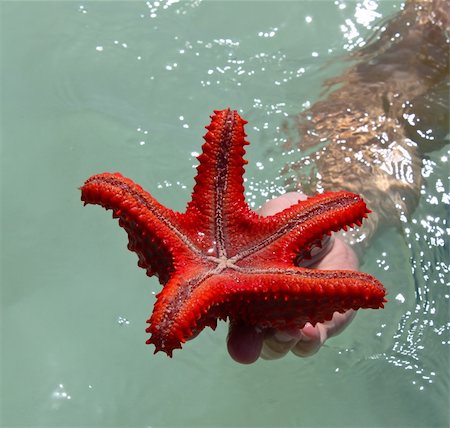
[[219, 259]]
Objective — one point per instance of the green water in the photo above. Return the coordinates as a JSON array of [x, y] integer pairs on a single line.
[[99, 86]]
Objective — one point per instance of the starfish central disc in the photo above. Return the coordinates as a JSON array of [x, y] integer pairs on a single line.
[[223, 263]]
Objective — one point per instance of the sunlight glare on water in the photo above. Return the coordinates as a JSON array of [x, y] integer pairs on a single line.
[[128, 86]]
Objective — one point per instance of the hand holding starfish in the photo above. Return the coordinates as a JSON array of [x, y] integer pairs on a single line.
[[246, 344]]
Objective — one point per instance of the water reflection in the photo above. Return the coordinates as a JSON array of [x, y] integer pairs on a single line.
[[380, 117], [381, 130]]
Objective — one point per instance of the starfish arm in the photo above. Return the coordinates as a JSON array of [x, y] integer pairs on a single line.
[[152, 228], [293, 232], [266, 298], [218, 197], [175, 317], [283, 298]]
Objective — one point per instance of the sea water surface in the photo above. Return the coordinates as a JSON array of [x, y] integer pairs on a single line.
[[93, 86]]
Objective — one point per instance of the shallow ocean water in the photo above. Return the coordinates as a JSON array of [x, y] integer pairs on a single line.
[[95, 86]]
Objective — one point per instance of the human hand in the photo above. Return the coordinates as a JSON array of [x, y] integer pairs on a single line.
[[247, 343]]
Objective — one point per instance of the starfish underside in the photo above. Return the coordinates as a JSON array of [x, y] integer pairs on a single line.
[[220, 260]]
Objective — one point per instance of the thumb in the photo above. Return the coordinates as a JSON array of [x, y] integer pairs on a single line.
[[244, 342]]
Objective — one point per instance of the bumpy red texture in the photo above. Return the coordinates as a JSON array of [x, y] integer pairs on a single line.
[[221, 260]]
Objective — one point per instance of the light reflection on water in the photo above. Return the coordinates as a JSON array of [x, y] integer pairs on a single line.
[[424, 230], [132, 85]]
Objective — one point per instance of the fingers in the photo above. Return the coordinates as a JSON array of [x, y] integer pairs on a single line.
[[303, 343], [278, 343], [339, 322], [244, 342], [313, 339], [308, 340], [247, 343]]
